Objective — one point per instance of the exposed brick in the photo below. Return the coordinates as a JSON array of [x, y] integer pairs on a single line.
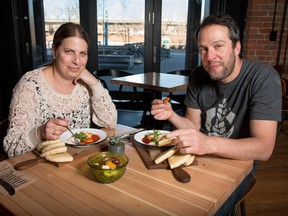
[[256, 44]]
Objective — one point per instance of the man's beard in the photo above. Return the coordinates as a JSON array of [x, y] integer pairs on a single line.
[[225, 71]]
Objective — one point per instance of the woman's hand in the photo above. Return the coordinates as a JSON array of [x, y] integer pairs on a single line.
[[86, 77], [161, 110], [52, 129]]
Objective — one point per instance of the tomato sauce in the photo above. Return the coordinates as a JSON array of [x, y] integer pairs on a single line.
[[91, 138]]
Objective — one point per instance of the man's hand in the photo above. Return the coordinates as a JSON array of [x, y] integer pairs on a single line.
[[161, 110], [190, 141]]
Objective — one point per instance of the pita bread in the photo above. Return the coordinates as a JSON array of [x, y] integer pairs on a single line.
[[52, 146], [189, 161], [164, 155], [46, 143], [161, 136], [164, 141], [177, 159], [61, 157], [54, 151]]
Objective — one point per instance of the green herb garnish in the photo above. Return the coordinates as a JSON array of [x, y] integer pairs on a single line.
[[155, 135], [81, 136]]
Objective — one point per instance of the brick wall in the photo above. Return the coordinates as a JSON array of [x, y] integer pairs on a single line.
[[256, 43]]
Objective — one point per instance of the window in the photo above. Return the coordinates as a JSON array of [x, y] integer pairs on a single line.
[[137, 36]]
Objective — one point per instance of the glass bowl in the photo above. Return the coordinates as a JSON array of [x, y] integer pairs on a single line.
[[108, 167]]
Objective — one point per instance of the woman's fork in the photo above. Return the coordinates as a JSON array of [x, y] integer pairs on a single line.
[[76, 140]]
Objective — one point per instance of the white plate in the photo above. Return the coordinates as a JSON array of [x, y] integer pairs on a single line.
[[139, 136], [68, 139]]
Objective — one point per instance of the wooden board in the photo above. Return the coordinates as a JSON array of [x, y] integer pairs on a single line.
[[148, 161], [143, 152], [77, 154]]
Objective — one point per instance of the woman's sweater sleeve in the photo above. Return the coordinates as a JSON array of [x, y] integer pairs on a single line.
[[21, 135], [104, 110]]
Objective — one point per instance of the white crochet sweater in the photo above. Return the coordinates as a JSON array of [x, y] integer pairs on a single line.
[[34, 102]]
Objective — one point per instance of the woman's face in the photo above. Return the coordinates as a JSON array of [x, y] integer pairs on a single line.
[[71, 57]]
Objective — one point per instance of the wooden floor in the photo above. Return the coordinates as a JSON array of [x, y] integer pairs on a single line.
[[269, 197]]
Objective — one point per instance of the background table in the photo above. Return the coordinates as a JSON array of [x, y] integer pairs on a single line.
[[71, 189], [158, 82]]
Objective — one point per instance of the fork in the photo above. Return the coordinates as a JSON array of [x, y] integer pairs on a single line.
[[76, 140]]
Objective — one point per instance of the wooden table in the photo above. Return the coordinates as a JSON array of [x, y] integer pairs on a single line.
[[155, 82], [158, 82], [71, 189]]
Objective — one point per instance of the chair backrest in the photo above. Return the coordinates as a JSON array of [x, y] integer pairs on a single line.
[[282, 69], [283, 72], [180, 72], [140, 100], [111, 72], [3, 132], [101, 74], [130, 102]]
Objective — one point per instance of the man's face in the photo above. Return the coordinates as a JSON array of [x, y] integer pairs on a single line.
[[217, 53]]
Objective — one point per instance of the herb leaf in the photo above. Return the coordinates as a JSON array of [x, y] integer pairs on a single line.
[[155, 135], [81, 136]]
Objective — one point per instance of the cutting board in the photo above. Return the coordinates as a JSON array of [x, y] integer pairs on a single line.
[[143, 152], [148, 161], [77, 153], [179, 173]]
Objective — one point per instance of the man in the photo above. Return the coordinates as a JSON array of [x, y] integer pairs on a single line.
[[233, 104]]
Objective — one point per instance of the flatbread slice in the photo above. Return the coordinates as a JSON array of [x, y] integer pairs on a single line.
[[46, 143], [54, 151], [161, 136], [177, 159], [52, 146], [164, 155], [61, 157], [190, 160], [164, 141]]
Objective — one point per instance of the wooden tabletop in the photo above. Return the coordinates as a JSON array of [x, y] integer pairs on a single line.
[[72, 190], [161, 82]]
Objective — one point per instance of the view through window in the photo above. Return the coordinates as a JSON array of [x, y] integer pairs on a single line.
[[55, 14], [121, 34], [173, 34], [120, 26]]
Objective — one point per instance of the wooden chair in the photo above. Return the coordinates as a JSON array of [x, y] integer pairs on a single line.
[[133, 107], [283, 72], [105, 74], [241, 202], [3, 132]]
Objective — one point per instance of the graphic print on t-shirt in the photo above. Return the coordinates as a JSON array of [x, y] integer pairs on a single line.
[[219, 120]]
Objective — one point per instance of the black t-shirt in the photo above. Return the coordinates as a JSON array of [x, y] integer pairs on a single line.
[[227, 108]]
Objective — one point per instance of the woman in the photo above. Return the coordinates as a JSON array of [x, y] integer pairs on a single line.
[[47, 100]]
